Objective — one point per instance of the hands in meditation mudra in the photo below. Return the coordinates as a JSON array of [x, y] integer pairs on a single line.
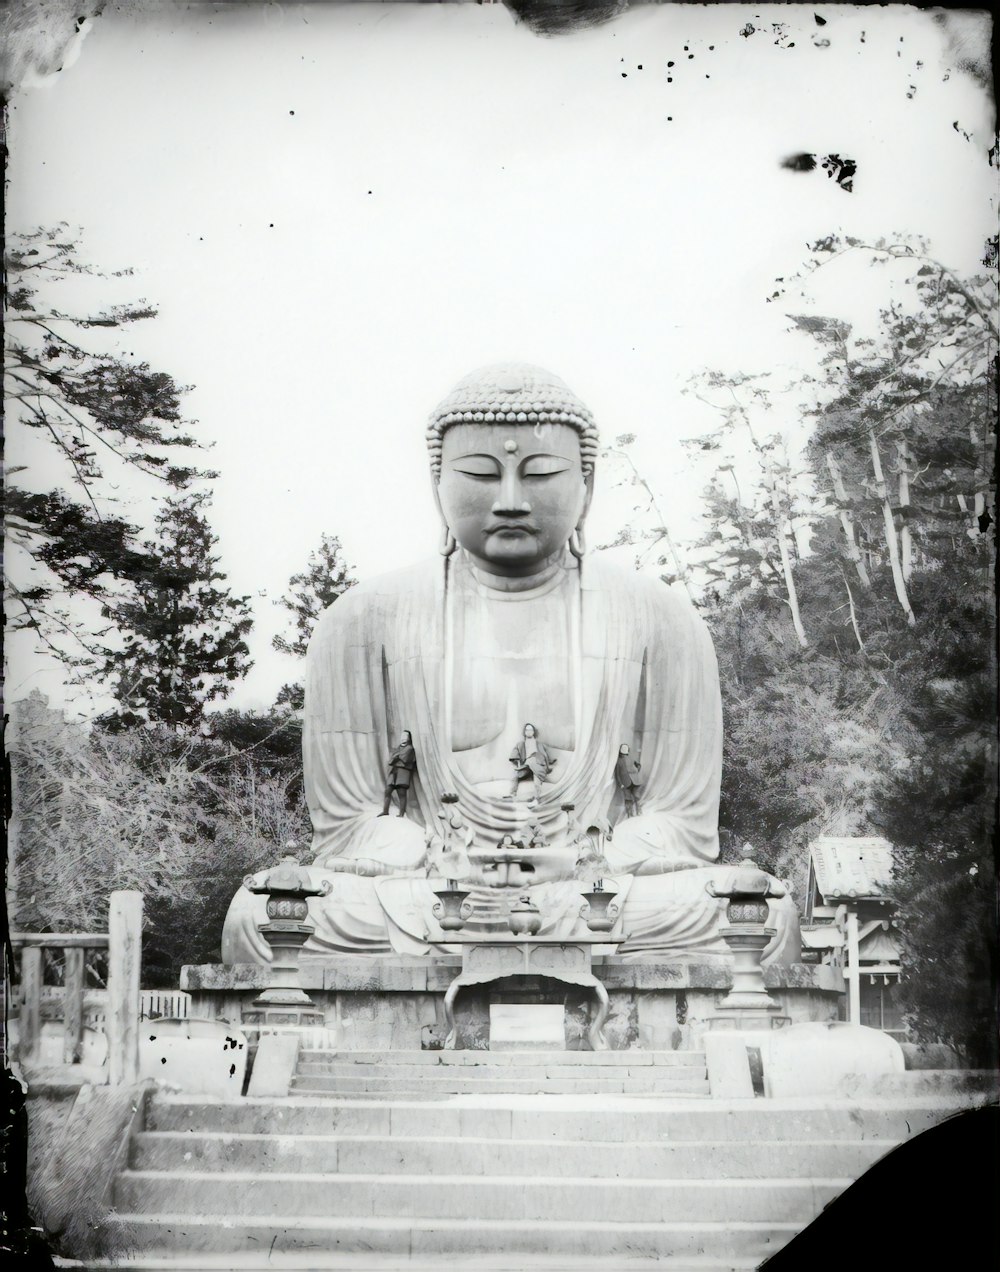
[[511, 622]]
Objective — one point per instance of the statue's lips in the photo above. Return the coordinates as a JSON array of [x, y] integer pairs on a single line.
[[510, 527]]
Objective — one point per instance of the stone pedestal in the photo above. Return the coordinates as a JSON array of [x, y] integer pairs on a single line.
[[397, 1003], [748, 942]]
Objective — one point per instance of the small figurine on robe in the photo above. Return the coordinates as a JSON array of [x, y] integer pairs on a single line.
[[627, 780], [531, 759], [402, 762]]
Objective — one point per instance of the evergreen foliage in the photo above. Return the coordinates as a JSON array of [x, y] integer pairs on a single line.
[[857, 662], [100, 418], [183, 633], [326, 577]]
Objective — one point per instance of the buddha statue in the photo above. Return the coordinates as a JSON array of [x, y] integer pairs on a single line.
[[512, 621]]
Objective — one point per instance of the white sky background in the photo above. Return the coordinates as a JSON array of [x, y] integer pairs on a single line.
[[451, 190]]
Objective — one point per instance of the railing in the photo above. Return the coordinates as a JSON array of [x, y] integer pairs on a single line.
[[123, 942], [155, 1004]]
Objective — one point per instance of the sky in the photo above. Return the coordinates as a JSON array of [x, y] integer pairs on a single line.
[[341, 209]]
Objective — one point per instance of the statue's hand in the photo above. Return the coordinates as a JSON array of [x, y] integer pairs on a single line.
[[545, 864]]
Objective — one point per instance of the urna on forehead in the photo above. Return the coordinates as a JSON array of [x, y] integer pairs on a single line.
[[512, 393]]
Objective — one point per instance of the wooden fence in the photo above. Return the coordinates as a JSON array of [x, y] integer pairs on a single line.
[[123, 942]]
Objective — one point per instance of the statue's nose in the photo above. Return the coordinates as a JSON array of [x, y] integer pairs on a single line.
[[510, 501]]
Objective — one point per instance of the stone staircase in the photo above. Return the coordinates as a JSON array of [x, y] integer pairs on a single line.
[[425, 1074], [494, 1160]]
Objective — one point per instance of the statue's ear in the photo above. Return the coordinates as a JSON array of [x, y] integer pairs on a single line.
[[588, 487], [435, 483]]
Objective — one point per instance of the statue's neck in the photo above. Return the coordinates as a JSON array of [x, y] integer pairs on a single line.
[[506, 584]]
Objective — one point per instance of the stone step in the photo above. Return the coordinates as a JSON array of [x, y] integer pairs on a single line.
[[443, 1155], [531, 1058], [645, 1077], [252, 1195], [457, 1084], [411, 1238], [586, 1119], [366, 1261]]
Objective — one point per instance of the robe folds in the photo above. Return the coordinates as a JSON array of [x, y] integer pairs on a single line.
[[635, 664], [646, 673]]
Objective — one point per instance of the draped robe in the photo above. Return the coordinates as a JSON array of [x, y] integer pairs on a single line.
[[613, 657]]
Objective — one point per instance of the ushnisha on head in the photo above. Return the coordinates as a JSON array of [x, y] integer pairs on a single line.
[[512, 393], [512, 452]]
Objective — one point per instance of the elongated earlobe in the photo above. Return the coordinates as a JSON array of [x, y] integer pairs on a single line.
[[448, 543], [576, 544]]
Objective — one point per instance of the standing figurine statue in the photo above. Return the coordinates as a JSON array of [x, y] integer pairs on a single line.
[[627, 779], [531, 759], [402, 762]]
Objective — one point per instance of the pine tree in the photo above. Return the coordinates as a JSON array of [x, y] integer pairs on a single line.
[[96, 418], [326, 577], [183, 634]]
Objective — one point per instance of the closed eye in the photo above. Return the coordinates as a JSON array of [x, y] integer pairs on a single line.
[[545, 466], [482, 466]]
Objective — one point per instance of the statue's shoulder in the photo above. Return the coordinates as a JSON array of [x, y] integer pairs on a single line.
[[659, 611], [370, 605], [603, 575]]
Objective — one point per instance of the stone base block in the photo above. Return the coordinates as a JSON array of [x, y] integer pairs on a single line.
[[396, 1003]]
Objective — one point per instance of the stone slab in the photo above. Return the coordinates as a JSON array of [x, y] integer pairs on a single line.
[[813, 1059], [274, 1064], [728, 1066], [540, 1026]]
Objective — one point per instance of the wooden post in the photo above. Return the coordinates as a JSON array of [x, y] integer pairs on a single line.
[[73, 980], [853, 971], [124, 952], [31, 1002]]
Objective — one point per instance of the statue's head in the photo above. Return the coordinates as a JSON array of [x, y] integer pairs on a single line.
[[512, 452]]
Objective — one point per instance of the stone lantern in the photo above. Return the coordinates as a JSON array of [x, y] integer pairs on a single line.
[[748, 934], [287, 888]]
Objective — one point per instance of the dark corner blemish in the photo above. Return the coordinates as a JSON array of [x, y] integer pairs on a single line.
[[819, 21], [799, 163], [562, 17], [843, 171]]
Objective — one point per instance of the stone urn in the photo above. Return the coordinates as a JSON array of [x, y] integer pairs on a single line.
[[451, 909], [524, 918], [599, 910]]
